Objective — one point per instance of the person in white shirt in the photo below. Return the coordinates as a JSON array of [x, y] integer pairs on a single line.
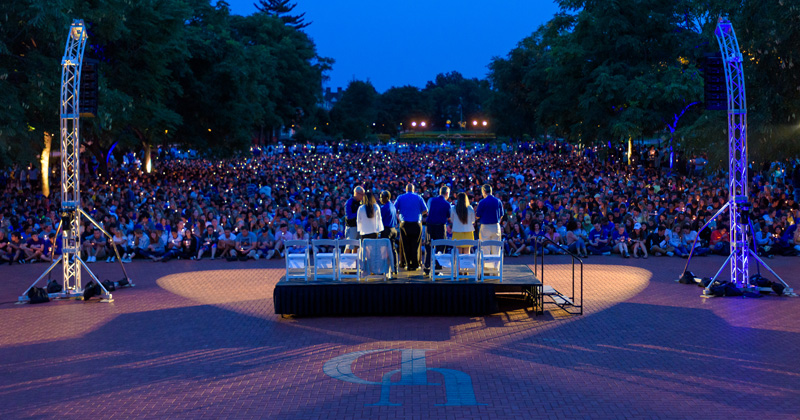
[[462, 217], [368, 218]]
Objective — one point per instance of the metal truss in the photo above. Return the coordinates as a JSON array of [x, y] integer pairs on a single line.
[[71, 65], [71, 211], [738, 204]]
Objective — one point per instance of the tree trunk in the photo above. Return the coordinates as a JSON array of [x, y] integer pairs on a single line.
[[148, 157], [45, 161]]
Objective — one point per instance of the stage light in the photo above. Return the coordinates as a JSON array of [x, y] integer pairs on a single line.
[[413, 123], [422, 123], [474, 122]]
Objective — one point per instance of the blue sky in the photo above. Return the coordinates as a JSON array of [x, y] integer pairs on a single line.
[[397, 43]]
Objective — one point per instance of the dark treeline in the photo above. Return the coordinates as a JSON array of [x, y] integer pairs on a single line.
[[188, 72]]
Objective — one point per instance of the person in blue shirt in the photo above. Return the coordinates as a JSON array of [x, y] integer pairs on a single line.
[[620, 240], [598, 241], [488, 214], [438, 214], [410, 209], [389, 217]]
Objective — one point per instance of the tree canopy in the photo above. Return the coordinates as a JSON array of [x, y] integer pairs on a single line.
[[171, 71]]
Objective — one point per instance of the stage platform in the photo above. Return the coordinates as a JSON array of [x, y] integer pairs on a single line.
[[409, 294]]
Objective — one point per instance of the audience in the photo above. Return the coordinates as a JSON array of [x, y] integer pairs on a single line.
[[587, 200]]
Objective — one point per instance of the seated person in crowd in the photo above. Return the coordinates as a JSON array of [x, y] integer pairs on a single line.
[[94, 246], [208, 243], [245, 245], [226, 242], [598, 241], [189, 245], [620, 240]]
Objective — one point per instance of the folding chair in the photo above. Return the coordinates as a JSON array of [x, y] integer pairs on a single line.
[[467, 262], [493, 260], [348, 262], [446, 260], [325, 260], [296, 261], [377, 257]]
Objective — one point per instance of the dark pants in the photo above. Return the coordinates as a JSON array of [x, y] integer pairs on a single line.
[[391, 234], [410, 238], [434, 232]]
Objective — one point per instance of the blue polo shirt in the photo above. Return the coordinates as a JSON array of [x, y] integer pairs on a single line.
[[489, 211], [389, 215], [350, 211], [410, 207], [438, 211]]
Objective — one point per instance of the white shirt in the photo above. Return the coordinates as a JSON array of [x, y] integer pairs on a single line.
[[366, 225], [462, 227]]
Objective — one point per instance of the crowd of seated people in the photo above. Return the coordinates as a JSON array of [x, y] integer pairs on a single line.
[[587, 201]]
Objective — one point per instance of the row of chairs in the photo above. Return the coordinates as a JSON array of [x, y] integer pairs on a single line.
[[483, 259], [331, 261]]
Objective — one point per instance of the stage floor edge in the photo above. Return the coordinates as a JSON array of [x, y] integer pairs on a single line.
[[409, 294]]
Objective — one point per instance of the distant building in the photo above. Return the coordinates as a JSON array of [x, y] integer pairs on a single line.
[[330, 98]]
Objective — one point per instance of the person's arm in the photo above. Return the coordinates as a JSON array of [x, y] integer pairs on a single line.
[[380, 218]]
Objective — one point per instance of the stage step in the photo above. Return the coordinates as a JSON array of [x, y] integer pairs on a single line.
[[557, 296]]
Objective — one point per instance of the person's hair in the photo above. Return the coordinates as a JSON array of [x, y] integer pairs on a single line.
[[410, 187], [444, 190], [572, 225], [386, 196], [358, 189], [487, 189], [369, 204], [462, 210]]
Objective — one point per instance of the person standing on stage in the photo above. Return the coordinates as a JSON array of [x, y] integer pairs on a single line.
[[368, 218], [410, 208], [489, 213], [462, 216], [389, 218], [351, 211], [438, 213]]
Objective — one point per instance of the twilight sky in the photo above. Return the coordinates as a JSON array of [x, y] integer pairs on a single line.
[[397, 43]]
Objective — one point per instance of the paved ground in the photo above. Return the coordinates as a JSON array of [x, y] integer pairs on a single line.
[[200, 340]]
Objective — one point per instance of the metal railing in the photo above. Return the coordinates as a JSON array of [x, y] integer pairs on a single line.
[[538, 271]]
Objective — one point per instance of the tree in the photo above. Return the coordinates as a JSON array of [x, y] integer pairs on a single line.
[[281, 10], [355, 113], [451, 96], [400, 105], [32, 39], [518, 87]]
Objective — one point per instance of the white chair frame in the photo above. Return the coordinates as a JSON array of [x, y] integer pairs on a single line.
[[304, 255], [447, 257], [491, 258], [332, 256], [473, 257], [340, 256]]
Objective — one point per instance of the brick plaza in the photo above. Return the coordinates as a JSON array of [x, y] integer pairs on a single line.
[[201, 340]]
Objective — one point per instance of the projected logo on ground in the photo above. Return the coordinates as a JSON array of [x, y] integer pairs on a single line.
[[413, 371]]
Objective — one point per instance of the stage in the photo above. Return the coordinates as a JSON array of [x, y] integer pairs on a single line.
[[408, 294]]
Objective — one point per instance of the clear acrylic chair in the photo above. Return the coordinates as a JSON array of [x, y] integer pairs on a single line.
[[377, 257]]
